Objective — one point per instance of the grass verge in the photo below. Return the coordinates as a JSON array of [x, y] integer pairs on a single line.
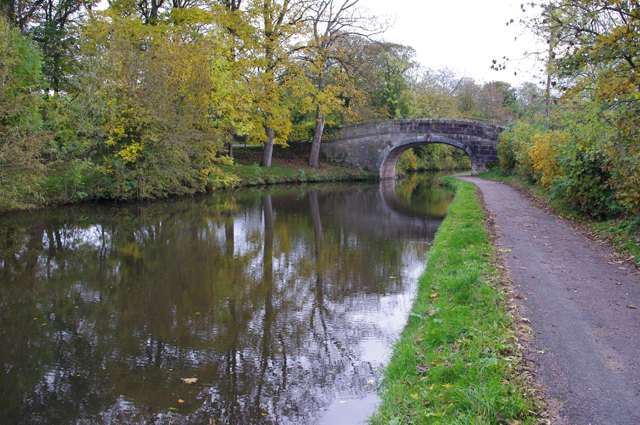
[[457, 360], [622, 233], [250, 175]]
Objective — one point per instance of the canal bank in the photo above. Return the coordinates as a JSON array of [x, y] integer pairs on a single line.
[[459, 358]]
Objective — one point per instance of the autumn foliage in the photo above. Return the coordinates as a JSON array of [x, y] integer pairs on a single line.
[[587, 153]]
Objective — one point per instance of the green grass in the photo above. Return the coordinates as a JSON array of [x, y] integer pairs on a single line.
[[623, 232], [249, 175], [456, 361]]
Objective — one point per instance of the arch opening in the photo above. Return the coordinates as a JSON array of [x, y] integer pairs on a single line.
[[389, 157]]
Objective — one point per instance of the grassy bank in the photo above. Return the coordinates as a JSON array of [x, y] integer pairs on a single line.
[[623, 233], [289, 165], [457, 362], [249, 175]]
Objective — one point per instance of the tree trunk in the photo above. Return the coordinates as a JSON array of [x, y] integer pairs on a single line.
[[317, 139], [268, 148]]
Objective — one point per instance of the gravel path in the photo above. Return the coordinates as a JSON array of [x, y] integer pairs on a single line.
[[582, 307]]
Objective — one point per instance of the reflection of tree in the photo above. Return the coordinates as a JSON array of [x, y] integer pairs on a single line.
[[415, 193], [254, 302]]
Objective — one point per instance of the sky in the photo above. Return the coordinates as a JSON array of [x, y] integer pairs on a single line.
[[464, 35]]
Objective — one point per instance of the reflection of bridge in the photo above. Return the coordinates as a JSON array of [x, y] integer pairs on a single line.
[[376, 146]]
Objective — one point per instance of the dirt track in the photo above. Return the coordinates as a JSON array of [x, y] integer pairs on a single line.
[[584, 309]]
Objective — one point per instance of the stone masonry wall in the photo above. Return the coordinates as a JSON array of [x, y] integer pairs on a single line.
[[376, 146]]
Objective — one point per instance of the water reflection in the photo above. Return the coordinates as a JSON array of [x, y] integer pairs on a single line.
[[282, 304]]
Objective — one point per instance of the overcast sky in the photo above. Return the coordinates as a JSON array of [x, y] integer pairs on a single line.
[[465, 35]]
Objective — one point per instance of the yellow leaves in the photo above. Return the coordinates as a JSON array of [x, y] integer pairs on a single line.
[[544, 155], [130, 153], [189, 381]]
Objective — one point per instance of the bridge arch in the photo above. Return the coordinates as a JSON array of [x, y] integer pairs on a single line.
[[390, 155], [376, 146]]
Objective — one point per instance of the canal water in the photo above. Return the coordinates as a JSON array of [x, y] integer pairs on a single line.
[[259, 306]]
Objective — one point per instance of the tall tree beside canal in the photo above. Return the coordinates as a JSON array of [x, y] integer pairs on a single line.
[[329, 60], [274, 80], [22, 138]]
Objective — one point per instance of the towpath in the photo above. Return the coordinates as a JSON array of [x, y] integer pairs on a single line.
[[584, 308]]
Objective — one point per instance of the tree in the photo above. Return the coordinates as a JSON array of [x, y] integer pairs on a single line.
[[387, 78], [22, 139], [595, 56], [272, 76], [151, 90], [430, 97], [56, 33], [332, 21], [19, 13]]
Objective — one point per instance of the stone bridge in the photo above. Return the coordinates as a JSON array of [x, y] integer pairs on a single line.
[[376, 146]]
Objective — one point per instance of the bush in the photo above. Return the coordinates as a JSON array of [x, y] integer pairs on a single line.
[[582, 180], [513, 150]]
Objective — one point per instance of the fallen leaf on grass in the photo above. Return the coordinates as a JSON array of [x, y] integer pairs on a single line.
[[422, 368], [525, 320], [189, 380], [504, 250]]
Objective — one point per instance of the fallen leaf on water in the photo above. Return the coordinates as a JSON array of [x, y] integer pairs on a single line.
[[180, 401], [632, 306], [189, 380], [523, 268], [173, 408], [343, 401], [371, 382]]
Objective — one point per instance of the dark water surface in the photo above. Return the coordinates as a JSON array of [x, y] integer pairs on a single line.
[[283, 303]]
